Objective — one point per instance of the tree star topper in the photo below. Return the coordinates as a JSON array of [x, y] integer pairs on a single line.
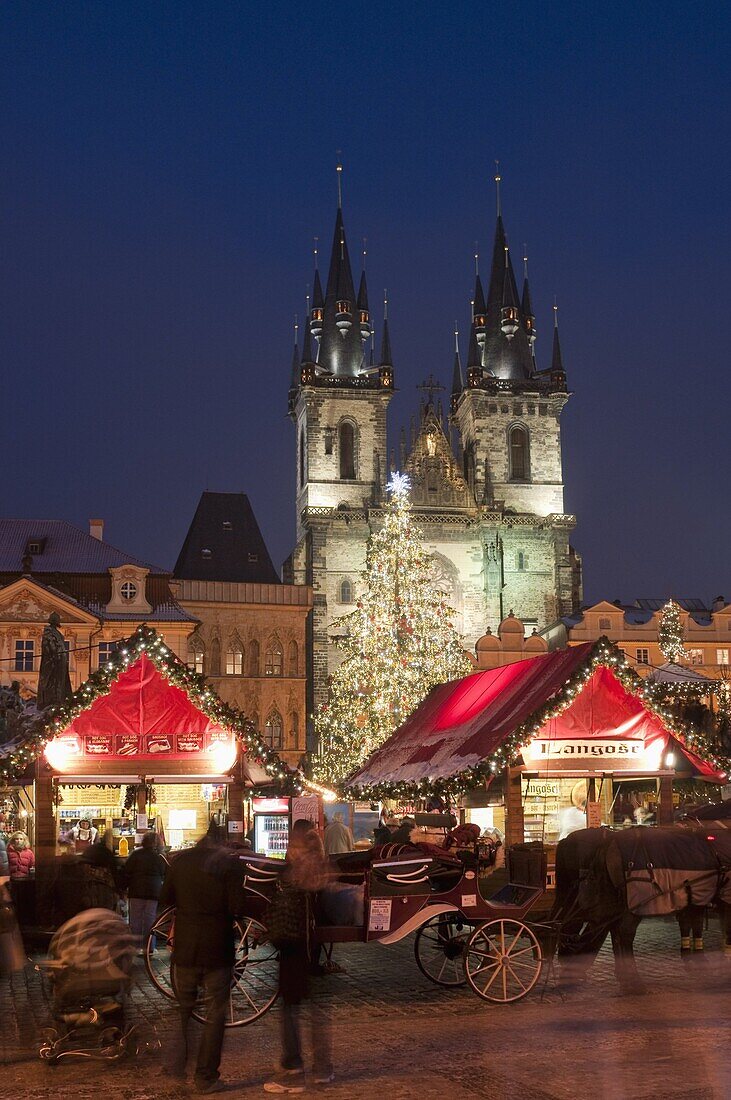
[[399, 485]]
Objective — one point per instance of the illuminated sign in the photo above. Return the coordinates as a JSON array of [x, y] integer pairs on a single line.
[[600, 753]]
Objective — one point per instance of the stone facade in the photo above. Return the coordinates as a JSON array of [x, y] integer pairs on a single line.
[[251, 645]]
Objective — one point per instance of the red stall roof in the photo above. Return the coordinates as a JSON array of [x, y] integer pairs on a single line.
[[462, 724]]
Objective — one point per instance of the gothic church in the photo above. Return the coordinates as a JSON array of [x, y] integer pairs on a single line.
[[491, 507]]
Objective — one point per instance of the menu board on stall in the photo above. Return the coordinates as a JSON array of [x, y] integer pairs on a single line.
[[109, 745]]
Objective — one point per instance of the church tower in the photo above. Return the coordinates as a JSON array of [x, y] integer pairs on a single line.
[[508, 416], [338, 400]]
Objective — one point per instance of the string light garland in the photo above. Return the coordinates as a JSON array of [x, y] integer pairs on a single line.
[[43, 726], [603, 654], [398, 644]]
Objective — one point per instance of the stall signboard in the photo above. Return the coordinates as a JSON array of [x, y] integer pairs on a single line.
[[594, 754], [73, 747], [270, 805], [307, 808]]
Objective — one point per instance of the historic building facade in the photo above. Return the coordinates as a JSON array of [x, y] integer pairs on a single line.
[[251, 636], [101, 594], [491, 507]]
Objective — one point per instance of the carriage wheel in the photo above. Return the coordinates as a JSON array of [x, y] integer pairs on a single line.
[[503, 960], [255, 979], [439, 947]]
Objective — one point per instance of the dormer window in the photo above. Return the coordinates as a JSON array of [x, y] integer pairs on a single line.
[[228, 525], [34, 547], [128, 591], [206, 554], [253, 557]]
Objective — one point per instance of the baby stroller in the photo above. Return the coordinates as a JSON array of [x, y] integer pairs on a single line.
[[89, 966]]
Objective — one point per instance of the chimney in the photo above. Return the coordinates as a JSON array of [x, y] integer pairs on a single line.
[[718, 604], [96, 529]]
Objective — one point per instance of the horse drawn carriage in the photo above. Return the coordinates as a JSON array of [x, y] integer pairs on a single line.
[[462, 938]]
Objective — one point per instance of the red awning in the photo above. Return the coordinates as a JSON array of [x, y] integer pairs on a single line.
[[461, 724]]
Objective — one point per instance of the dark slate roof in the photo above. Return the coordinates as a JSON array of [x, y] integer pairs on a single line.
[[691, 604], [225, 525], [503, 358], [341, 354], [66, 549]]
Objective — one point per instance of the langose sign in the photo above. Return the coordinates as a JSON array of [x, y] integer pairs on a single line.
[[592, 752]]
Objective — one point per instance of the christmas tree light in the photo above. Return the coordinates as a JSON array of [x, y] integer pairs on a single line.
[[398, 644], [670, 633]]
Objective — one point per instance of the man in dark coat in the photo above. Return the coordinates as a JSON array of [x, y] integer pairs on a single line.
[[204, 887]]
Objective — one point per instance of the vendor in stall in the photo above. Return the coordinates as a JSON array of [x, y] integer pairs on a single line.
[[82, 835]]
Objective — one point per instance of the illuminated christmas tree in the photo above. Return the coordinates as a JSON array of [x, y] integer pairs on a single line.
[[398, 643], [670, 633]]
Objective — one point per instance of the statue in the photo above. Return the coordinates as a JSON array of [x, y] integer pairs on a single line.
[[54, 684]]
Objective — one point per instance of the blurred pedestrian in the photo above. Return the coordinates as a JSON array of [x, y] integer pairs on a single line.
[[21, 860], [143, 876], [305, 872], [203, 885], [100, 876], [338, 837]]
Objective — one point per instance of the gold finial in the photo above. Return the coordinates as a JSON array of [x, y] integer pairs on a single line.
[[365, 251], [296, 328], [339, 170], [385, 304], [525, 260], [316, 250], [498, 178], [555, 312], [477, 260], [456, 337]]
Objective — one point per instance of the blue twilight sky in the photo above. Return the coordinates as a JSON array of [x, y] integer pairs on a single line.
[[166, 166]]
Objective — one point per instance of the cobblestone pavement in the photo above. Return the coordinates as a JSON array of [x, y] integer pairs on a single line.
[[398, 1035]]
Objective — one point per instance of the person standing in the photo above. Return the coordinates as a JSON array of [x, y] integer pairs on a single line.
[[143, 876], [305, 872], [203, 885], [338, 837], [21, 860]]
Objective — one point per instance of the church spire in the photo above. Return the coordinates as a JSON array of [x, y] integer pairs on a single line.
[[556, 358], [386, 357], [526, 305], [364, 317], [341, 340], [457, 377], [295, 375]]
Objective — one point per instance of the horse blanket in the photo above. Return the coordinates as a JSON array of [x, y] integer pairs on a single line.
[[666, 869]]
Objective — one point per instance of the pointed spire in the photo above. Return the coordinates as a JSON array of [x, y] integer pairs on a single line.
[[372, 357], [498, 178], [318, 301], [526, 306], [503, 357], [295, 375], [364, 316], [556, 358], [457, 377], [474, 357], [386, 358], [341, 348]]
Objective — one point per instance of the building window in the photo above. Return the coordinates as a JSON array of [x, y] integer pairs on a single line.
[[695, 657], [128, 591], [293, 658], [253, 558], [519, 454], [106, 652], [303, 458], [195, 654], [273, 658], [228, 525], [234, 662], [254, 658], [521, 561], [206, 554], [721, 656], [346, 448], [346, 591], [24, 653], [273, 730], [295, 720], [643, 656], [215, 669], [605, 624]]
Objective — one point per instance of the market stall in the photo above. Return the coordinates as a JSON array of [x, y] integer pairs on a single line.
[[540, 747]]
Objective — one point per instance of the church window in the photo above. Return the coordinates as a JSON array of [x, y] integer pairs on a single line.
[[106, 652], [293, 658], [295, 727], [605, 624], [24, 654], [273, 730], [273, 658], [195, 654], [643, 656], [254, 658], [543, 410], [519, 454], [128, 591], [347, 450], [531, 410], [234, 660], [346, 591], [303, 458], [521, 561], [329, 437], [517, 410], [215, 658]]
